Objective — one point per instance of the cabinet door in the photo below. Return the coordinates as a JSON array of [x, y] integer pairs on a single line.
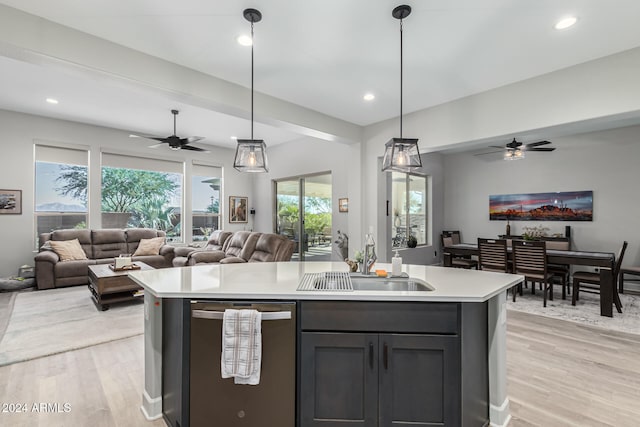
[[419, 380], [339, 379]]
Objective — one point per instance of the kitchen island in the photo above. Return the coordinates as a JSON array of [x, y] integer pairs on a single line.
[[458, 328]]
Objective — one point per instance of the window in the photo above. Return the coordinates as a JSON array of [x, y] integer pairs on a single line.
[[141, 192], [206, 184], [60, 188], [409, 207]]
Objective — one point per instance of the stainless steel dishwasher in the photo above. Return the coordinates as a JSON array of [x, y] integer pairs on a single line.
[[215, 401]]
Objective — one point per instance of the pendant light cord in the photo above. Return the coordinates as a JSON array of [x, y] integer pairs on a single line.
[[400, 78], [251, 80]]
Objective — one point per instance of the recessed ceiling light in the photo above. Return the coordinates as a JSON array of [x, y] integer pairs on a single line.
[[52, 101], [234, 137], [369, 97], [566, 22], [244, 40]]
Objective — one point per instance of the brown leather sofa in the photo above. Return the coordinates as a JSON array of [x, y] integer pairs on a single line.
[[100, 247], [239, 247]]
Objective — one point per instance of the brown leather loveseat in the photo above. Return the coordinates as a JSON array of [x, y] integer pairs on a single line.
[[242, 246], [99, 247]]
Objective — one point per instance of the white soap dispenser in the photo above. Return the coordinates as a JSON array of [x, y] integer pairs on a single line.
[[396, 265]]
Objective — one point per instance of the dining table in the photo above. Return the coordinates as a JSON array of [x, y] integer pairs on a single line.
[[603, 261]]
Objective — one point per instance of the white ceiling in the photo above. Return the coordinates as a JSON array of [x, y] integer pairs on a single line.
[[320, 54]]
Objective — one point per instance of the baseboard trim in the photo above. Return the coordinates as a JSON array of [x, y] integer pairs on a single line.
[[151, 407], [499, 415]]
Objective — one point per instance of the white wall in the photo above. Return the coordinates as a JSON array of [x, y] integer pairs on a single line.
[[17, 135], [605, 162], [308, 156]]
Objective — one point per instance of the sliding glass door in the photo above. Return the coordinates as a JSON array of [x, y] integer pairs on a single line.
[[303, 214]]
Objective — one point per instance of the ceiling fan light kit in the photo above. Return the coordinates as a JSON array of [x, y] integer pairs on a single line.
[[515, 154], [401, 154], [251, 154]]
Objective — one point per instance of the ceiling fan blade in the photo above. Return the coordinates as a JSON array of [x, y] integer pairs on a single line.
[[497, 146], [192, 148], [155, 138], [156, 145], [489, 152], [193, 139], [542, 149], [535, 144]]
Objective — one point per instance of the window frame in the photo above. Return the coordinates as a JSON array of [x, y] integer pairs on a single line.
[[134, 161], [208, 171], [59, 154], [397, 241]]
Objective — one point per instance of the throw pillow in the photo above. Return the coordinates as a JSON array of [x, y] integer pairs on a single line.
[[149, 246], [68, 250]]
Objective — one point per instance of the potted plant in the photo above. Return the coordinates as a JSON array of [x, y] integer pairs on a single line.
[[412, 242]]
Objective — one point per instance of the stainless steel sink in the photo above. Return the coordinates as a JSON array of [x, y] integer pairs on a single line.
[[375, 283], [341, 281]]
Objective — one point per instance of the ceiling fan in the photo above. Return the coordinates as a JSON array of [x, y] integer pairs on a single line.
[[515, 149], [174, 141]]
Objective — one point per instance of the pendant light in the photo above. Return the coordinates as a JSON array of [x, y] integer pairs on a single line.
[[251, 154], [401, 154]]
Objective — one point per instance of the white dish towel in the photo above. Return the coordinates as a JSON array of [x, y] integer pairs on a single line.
[[241, 346]]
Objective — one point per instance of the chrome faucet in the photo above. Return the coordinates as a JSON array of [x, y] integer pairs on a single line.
[[369, 253]]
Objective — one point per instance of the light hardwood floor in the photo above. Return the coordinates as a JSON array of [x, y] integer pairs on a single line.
[[559, 374], [565, 374], [102, 384]]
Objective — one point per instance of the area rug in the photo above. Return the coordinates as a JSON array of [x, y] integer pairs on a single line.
[[53, 321], [586, 311]]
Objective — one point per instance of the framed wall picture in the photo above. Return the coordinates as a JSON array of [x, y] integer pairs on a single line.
[[343, 205], [238, 209], [10, 202], [557, 206]]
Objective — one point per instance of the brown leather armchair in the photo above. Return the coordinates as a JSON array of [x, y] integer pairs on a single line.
[[216, 242]]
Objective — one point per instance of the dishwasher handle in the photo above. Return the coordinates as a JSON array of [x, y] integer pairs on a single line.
[[266, 315]]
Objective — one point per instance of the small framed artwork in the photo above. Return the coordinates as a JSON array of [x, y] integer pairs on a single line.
[[343, 205], [238, 209], [10, 202]]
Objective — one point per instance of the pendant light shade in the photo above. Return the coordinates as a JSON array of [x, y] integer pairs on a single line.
[[401, 154], [251, 154]]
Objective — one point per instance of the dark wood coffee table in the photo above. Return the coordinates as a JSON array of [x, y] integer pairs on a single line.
[[108, 286]]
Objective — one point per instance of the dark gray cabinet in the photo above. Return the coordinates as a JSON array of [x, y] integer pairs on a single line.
[[418, 380], [378, 379], [393, 364], [339, 382]]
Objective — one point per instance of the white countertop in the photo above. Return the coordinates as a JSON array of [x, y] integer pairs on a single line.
[[279, 280]]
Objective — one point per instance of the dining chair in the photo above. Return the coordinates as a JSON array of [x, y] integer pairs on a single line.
[[560, 271], [588, 281], [493, 255], [530, 260], [633, 270], [457, 262], [454, 234]]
